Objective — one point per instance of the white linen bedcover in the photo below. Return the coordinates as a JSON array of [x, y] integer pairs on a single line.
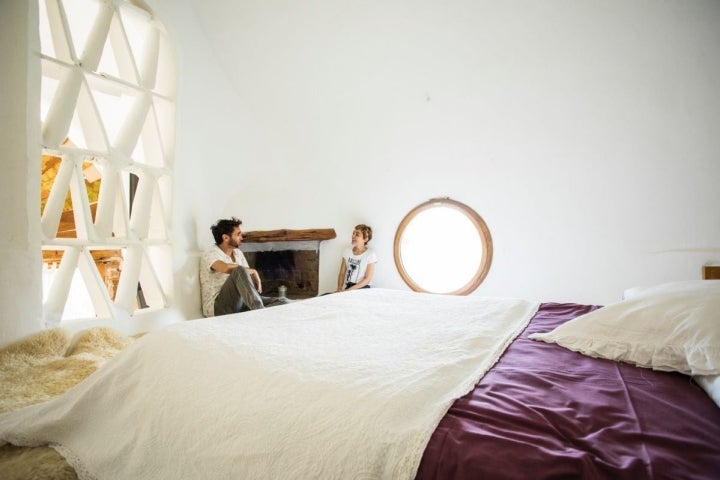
[[344, 386]]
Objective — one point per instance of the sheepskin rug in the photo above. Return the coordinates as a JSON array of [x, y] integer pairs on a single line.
[[38, 368]]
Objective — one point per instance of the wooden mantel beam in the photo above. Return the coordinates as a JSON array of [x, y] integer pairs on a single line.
[[285, 235]]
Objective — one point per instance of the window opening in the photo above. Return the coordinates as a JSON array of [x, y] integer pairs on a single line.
[[107, 113], [443, 246]]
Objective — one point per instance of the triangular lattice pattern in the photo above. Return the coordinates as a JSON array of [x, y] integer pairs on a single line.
[[107, 108]]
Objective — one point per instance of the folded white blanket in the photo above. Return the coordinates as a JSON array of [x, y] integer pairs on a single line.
[[344, 386]]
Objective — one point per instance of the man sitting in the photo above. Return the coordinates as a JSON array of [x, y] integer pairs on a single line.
[[228, 284]]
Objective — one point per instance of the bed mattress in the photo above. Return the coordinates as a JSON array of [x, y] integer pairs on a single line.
[[540, 412]]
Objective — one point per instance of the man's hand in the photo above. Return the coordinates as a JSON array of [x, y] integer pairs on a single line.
[[256, 279]]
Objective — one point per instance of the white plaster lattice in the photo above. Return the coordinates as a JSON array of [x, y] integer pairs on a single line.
[[107, 99]]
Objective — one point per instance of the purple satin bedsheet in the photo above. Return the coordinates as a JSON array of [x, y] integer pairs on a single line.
[[545, 412]]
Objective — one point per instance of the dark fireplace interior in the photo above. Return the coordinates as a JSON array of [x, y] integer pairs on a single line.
[[297, 270]]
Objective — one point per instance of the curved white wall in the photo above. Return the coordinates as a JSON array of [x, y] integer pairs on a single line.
[[585, 133], [20, 275]]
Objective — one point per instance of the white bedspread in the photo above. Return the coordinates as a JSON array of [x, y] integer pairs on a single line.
[[345, 386]]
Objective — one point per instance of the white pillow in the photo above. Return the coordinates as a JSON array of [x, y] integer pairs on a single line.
[[711, 384], [671, 287], [665, 330]]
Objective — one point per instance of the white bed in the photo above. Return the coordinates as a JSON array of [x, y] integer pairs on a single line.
[[344, 386]]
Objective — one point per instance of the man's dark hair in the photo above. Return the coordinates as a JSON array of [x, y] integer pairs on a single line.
[[224, 227]]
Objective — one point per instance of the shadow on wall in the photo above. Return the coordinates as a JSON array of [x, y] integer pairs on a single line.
[[187, 287], [187, 277]]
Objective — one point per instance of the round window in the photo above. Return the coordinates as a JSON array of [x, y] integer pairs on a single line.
[[443, 246]]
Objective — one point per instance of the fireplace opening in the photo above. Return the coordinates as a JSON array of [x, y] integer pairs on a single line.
[[297, 270], [289, 258]]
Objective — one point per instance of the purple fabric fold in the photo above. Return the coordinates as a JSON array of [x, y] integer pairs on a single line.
[[546, 412]]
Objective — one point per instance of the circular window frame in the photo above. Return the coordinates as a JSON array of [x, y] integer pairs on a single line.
[[478, 223]]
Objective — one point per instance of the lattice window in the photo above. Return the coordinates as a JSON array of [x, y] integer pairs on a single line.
[[107, 111]]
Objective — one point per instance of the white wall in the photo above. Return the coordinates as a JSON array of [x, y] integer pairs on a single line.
[[208, 135], [20, 275], [585, 133]]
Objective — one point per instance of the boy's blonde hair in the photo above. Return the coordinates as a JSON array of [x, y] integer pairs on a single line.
[[366, 232]]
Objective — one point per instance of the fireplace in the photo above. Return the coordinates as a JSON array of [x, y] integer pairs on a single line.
[[289, 258]]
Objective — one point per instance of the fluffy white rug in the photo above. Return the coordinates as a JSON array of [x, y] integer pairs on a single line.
[[38, 368]]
